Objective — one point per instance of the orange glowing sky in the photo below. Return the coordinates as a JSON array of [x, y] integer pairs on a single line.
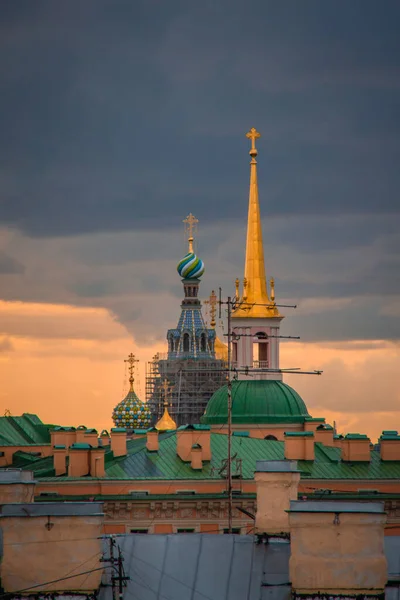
[[65, 364]]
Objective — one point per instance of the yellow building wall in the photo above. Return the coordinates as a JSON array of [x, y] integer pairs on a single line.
[[42, 549]]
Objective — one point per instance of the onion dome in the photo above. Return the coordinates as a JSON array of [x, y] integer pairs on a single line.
[[262, 401], [190, 267], [132, 413]]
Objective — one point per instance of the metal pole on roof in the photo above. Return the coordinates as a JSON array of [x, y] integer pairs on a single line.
[[229, 470], [112, 561]]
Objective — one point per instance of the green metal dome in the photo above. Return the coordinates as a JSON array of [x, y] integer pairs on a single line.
[[265, 401]]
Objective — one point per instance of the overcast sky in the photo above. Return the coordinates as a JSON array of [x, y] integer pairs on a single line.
[[118, 118]]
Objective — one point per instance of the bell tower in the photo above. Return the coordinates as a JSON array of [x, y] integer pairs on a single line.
[[256, 319]]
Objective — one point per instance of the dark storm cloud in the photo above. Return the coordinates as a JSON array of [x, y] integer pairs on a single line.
[[8, 265], [123, 115]]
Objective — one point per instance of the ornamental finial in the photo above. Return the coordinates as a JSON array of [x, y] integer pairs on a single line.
[[131, 360], [190, 229], [212, 301], [272, 289]]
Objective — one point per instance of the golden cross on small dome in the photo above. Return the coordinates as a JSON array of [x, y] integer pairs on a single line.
[[252, 135], [131, 360], [190, 228], [166, 389]]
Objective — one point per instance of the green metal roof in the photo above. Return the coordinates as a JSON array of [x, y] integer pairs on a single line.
[[24, 430], [80, 446], [139, 464], [263, 401], [299, 434]]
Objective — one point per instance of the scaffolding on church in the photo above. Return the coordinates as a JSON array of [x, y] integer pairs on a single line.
[[192, 382]]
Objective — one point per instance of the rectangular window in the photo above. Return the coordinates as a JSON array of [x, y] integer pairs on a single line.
[[139, 493], [235, 530], [140, 531], [186, 492], [185, 530], [234, 352]]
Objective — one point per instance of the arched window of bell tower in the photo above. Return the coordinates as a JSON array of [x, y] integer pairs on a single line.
[[186, 342], [203, 343], [260, 350]]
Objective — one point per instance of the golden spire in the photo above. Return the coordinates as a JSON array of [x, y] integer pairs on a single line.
[[255, 293], [131, 360], [190, 228], [166, 422]]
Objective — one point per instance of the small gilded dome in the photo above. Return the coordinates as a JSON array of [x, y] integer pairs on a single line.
[[190, 267], [166, 423], [132, 413]]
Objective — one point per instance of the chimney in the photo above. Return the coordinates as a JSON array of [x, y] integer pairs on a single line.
[[105, 438], [60, 459], [91, 437], [337, 440], [277, 483], [202, 436], [63, 436], [311, 423], [337, 549], [324, 434], [390, 445], [356, 448], [16, 487], [78, 460], [184, 442], [299, 445], [97, 468], [118, 441], [80, 434], [196, 457], [189, 435], [152, 440]]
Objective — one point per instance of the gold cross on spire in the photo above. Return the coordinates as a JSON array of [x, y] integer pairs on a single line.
[[190, 228], [253, 135], [131, 360]]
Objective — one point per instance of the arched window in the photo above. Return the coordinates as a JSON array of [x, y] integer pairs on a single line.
[[260, 350], [171, 344], [203, 343], [271, 437], [186, 342]]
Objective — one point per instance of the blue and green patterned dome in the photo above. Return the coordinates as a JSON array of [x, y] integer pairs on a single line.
[[132, 413], [190, 267]]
